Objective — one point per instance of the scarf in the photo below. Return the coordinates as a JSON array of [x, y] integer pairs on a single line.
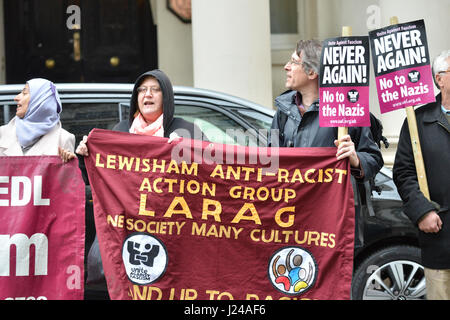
[[42, 113], [140, 126]]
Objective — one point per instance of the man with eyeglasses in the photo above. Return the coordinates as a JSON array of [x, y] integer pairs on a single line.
[[297, 116], [297, 122], [432, 217]]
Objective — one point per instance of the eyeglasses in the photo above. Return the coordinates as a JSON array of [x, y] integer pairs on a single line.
[[292, 61], [144, 89]]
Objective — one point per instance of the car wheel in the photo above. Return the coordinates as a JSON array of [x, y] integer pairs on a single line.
[[393, 273]]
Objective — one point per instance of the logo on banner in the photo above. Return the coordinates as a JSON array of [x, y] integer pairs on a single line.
[[144, 257], [353, 96], [414, 76], [293, 270]]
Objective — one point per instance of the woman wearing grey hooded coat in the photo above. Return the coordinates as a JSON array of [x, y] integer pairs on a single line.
[[168, 123], [171, 124], [151, 113]]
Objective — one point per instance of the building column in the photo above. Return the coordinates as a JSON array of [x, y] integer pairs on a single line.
[[231, 48], [174, 44]]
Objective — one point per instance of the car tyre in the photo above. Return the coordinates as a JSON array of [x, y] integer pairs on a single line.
[[392, 273]]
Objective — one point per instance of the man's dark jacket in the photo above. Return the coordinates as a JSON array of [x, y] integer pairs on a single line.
[[305, 131], [434, 135]]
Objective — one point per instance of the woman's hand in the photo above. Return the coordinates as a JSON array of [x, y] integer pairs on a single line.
[[65, 155], [173, 137], [82, 148]]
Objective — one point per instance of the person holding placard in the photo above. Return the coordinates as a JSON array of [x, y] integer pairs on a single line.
[[430, 215], [298, 124], [297, 117]]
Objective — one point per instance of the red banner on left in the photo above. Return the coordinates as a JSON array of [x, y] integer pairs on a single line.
[[42, 229]]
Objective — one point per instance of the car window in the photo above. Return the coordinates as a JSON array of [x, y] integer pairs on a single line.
[[385, 188], [81, 118], [256, 119], [7, 112], [217, 126]]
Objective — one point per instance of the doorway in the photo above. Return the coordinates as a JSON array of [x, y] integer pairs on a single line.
[[115, 41]]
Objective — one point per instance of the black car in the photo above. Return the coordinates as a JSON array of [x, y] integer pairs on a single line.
[[387, 255]]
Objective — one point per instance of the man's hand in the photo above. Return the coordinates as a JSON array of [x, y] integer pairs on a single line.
[[430, 223], [346, 149]]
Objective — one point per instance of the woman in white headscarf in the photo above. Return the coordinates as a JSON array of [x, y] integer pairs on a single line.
[[36, 129]]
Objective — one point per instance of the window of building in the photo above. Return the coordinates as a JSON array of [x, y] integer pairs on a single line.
[[284, 24]]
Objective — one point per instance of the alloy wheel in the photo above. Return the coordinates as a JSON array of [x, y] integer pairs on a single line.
[[396, 280]]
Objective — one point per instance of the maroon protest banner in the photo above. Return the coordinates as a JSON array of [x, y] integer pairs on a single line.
[[41, 229], [344, 82], [402, 65], [196, 220]]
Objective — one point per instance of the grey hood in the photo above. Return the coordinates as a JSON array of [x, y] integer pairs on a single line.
[[168, 97]]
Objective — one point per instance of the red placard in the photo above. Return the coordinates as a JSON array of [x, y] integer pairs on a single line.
[[41, 229], [402, 66], [344, 82]]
